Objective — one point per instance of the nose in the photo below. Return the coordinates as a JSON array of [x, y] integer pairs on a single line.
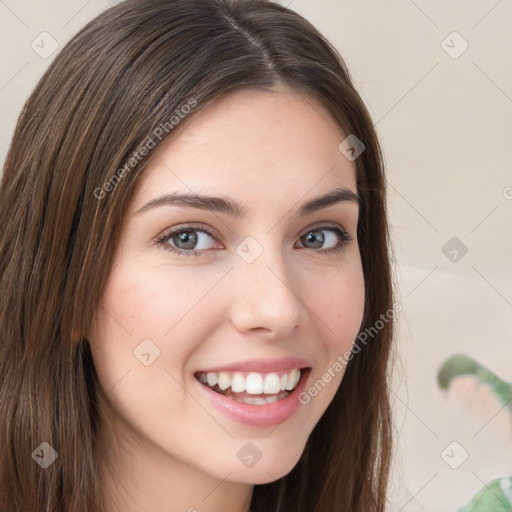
[[267, 298]]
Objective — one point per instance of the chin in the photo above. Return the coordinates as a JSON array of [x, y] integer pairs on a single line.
[[266, 472]]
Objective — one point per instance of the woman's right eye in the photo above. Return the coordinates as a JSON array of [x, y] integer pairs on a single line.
[[184, 240]]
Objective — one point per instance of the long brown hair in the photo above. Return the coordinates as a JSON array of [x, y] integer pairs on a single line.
[[64, 190]]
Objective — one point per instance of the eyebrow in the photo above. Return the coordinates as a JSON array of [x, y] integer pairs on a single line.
[[237, 210]]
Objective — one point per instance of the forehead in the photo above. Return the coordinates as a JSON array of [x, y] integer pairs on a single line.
[[251, 142]]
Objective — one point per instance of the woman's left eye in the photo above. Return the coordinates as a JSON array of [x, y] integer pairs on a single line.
[[185, 239], [337, 236]]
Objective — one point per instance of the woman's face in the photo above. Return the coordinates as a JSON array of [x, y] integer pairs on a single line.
[[261, 293]]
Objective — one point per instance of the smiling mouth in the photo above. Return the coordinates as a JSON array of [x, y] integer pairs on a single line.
[[253, 388]]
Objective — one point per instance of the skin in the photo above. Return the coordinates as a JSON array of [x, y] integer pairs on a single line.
[[171, 449]]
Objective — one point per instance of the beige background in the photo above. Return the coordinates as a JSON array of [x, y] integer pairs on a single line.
[[445, 122]]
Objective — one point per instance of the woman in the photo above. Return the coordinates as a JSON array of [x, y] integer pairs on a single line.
[[194, 251]]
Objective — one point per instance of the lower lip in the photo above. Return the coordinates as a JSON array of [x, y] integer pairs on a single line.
[[267, 415]]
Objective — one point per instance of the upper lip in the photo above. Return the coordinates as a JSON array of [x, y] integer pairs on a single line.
[[261, 365]]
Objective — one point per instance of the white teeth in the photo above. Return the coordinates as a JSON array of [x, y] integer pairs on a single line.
[[237, 383], [224, 381], [272, 384], [293, 379], [212, 379], [252, 383], [255, 401]]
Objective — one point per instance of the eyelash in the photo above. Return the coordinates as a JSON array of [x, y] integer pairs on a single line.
[[162, 240]]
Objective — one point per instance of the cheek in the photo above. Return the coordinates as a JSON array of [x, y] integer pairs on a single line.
[[152, 303], [339, 303], [142, 318], [338, 308], [143, 303]]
